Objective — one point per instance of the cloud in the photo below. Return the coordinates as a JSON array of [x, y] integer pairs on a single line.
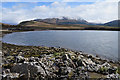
[[99, 12], [27, 0], [58, 0], [89, 0], [9, 0]]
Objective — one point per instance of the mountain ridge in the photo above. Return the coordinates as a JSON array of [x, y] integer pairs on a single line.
[[61, 24], [115, 23], [69, 21], [58, 21]]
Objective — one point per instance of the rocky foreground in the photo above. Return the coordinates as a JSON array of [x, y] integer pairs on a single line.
[[50, 63]]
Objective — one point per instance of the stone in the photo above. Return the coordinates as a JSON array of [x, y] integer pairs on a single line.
[[112, 70], [113, 76], [20, 59], [80, 63], [64, 57], [43, 63]]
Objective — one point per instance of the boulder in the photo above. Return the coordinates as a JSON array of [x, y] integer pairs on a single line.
[[113, 76], [80, 63], [112, 70], [20, 59]]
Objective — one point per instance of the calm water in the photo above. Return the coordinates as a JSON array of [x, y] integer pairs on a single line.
[[102, 43]]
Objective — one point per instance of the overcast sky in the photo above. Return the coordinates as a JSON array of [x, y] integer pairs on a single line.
[[98, 11]]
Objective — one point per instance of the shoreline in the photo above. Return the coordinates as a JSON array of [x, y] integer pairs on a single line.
[[54, 54], [18, 56], [102, 57]]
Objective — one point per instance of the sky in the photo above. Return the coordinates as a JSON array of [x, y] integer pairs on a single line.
[[98, 11]]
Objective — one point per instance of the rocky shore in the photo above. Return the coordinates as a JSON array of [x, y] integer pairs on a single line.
[[51, 63]]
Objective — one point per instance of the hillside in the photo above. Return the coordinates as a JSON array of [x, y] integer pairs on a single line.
[[55, 23], [60, 24], [62, 21], [114, 23], [66, 21]]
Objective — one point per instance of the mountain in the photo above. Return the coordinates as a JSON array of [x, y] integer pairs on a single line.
[[4, 26], [68, 23], [115, 23], [57, 21], [63, 23]]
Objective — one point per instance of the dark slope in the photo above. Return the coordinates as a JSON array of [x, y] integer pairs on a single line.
[[115, 23]]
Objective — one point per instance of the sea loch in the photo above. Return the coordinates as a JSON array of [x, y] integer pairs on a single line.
[[102, 43]]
